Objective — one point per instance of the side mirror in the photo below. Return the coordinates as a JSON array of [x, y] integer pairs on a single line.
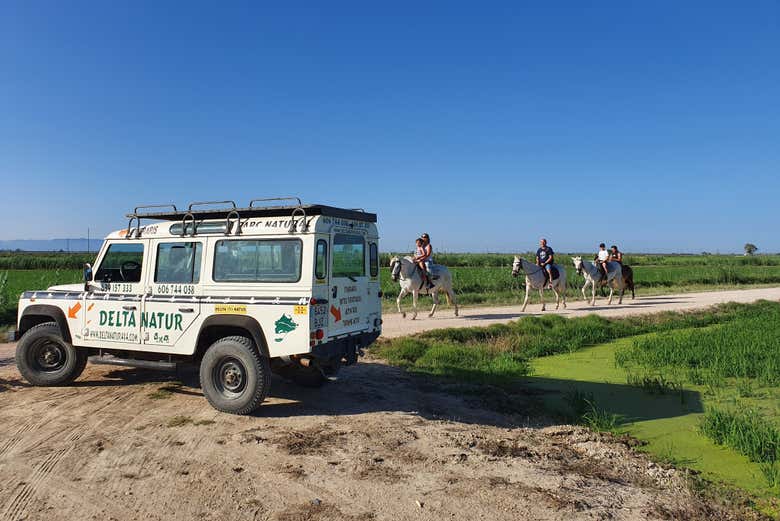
[[87, 276]]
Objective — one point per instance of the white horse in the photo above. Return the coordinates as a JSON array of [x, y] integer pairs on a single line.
[[404, 271], [535, 279], [594, 276]]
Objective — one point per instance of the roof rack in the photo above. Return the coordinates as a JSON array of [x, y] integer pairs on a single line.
[[137, 217], [299, 214]]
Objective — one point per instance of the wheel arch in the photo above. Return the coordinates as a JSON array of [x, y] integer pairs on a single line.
[[40, 313], [219, 326]]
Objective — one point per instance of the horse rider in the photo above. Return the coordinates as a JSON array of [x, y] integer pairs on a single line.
[[545, 256], [602, 258], [424, 257], [615, 254]]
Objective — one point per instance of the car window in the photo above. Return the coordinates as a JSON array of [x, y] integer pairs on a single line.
[[373, 259], [261, 260], [321, 262], [178, 262], [349, 255], [121, 263]]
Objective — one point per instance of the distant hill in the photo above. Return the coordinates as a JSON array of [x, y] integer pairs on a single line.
[[73, 245]]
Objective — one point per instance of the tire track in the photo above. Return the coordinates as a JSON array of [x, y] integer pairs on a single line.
[[9, 444], [27, 490]]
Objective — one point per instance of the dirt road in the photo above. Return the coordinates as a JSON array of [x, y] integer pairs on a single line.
[[379, 444], [394, 325]]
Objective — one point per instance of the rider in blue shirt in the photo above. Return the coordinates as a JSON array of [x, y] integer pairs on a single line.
[[545, 256]]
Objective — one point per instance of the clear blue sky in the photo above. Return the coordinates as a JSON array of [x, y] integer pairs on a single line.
[[655, 125]]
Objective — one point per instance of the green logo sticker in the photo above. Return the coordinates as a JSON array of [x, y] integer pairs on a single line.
[[284, 325]]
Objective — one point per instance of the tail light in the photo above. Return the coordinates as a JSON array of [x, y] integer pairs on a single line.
[[319, 334]]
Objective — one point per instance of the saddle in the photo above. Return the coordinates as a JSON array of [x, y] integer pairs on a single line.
[[434, 275]]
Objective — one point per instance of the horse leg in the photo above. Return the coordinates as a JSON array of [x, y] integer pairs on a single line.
[[401, 295], [541, 297], [415, 294], [583, 291], [593, 293], [435, 295], [525, 302], [631, 286], [557, 297], [622, 290], [611, 290], [451, 299]]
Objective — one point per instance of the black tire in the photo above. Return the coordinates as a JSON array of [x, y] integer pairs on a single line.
[[45, 359], [234, 377]]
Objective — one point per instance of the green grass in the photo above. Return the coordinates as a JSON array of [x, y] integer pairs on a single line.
[[746, 430], [495, 285], [44, 260], [748, 348], [464, 352], [15, 282], [479, 279], [615, 375], [670, 423]]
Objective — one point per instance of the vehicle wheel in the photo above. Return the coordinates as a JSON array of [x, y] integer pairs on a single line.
[[45, 359], [234, 377]]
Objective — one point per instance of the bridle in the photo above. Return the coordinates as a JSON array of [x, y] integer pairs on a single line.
[[519, 264], [397, 266]]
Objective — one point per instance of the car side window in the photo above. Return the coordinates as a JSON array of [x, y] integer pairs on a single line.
[[258, 260], [373, 259], [178, 263], [321, 262], [122, 263]]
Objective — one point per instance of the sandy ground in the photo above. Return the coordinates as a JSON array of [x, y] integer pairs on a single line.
[[378, 444], [395, 325]]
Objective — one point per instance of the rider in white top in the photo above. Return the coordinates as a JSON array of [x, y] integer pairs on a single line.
[[602, 257]]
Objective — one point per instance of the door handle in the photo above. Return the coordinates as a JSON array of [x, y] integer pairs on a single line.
[[187, 310], [128, 308]]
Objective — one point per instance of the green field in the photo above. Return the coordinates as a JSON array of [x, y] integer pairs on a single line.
[[702, 389], [495, 285], [14, 282], [479, 279]]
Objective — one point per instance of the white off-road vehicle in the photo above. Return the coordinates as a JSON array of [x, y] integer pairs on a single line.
[[288, 288]]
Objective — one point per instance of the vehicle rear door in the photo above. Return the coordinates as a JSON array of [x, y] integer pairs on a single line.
[[349, 284]]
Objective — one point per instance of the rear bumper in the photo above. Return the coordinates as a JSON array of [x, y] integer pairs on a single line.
[[347, 348]]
